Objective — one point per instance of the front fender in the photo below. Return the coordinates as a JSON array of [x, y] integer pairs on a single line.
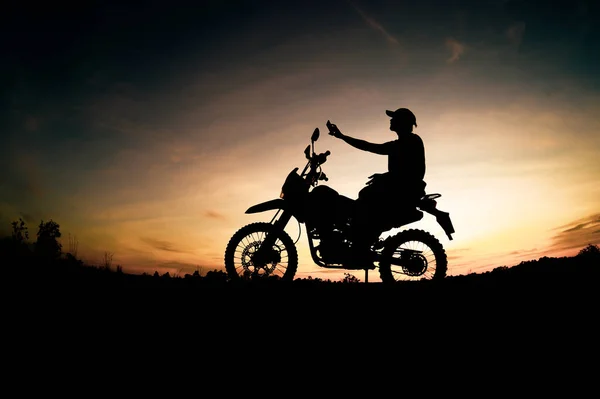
[[276, 203]]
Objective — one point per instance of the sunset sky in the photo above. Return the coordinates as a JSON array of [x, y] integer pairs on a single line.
[[147, 131]]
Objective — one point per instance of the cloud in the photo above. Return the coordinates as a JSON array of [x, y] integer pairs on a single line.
[[458, 253], [580, 223], [127, 112], [515, 33], [214, 215], [577, 234], [376, 25], [575, 228], [163, 245], [456, 48], [528, 253], [524, 252]]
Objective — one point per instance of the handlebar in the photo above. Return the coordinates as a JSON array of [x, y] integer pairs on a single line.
[[322, 157], [312, 167]]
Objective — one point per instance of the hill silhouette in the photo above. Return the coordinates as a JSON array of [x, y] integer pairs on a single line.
[[43, 261], [58, 308], [553, 279], [49, 285]]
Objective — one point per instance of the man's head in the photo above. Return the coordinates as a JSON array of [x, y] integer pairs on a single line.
[[402, 120]]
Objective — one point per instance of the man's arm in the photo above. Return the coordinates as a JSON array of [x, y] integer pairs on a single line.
[[380, 149], [365, 145]]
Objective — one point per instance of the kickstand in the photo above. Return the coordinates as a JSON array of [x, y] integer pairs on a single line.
[[366, 275]]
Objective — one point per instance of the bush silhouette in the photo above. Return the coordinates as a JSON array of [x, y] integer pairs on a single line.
[[216, 276], [47, 246], [17, 245]]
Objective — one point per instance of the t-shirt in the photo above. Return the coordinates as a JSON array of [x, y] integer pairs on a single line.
[[406, 158]]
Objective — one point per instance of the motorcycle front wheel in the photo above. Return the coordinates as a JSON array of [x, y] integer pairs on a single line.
[[279, 262], [412, 255]]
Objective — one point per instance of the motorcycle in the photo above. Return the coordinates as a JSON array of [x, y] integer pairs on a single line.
[[266, 250]]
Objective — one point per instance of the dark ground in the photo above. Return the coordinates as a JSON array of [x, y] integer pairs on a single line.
[[537, 320], [548, 290]]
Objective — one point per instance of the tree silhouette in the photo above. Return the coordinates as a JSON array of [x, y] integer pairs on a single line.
[[590, 251], [19, 231], [47, 245]]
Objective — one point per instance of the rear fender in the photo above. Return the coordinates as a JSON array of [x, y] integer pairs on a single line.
[[443, 219]]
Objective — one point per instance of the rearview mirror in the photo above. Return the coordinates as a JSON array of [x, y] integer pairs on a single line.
[[315, 135], [307, 152]]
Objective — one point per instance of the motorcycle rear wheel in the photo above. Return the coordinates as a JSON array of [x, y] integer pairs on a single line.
[[282, 261], [420, 254]]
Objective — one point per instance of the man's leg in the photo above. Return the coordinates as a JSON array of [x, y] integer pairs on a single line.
[[363, 232]]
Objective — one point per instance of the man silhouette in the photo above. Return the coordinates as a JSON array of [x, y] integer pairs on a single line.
[[387, 196]]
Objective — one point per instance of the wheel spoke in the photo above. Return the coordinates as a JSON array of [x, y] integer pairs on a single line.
[[412, 255], [281, 259]]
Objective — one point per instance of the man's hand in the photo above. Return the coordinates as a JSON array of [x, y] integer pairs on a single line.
[[334, 131], [373, 178]]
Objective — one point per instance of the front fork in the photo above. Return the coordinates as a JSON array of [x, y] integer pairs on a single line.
[[263, 254]]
